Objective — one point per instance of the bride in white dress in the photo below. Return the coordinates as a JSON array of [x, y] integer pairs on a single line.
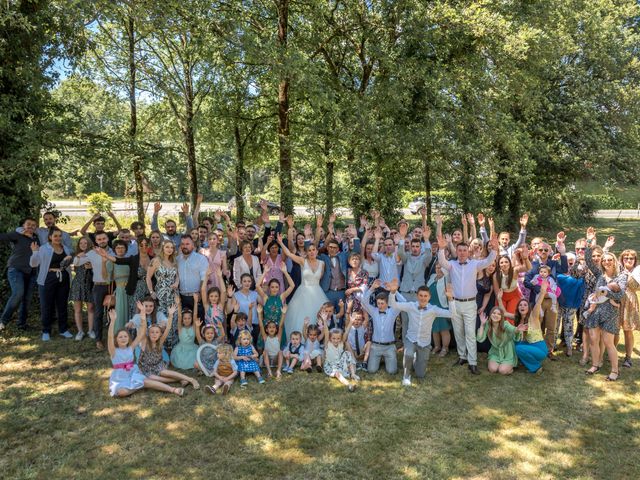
[[309, 296]]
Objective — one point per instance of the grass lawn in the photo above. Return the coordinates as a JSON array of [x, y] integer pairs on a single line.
[[58, 421]]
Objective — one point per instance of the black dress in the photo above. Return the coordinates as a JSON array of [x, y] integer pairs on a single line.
[[484, 286]]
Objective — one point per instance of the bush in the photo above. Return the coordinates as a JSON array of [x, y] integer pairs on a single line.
[[607, 201], [99, 203]]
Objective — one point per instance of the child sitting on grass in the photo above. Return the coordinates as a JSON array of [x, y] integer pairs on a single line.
[[338, 361], [312, 348], [126, 377], [151, 362], [246, 356], [225, 370]]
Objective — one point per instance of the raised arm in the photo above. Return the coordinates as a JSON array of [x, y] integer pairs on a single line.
[[85, 227], [141, 332], [115, 220], [534, 317], [170, 313], [259, 289], [263, 334], [153, 266], [35, 259], [472, 226], [522, 237], [111, 346], [299, 260], [290, 282]]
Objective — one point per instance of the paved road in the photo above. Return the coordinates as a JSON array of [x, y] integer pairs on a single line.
[[74, 208]]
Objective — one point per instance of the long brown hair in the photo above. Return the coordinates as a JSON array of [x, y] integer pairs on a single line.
[[501, 275], [499, 330], [89, 245]]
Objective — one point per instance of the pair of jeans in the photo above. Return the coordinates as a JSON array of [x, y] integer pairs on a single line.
[[54, 296], [22, 286]]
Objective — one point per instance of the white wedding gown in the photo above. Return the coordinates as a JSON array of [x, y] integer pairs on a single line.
[[307, 300]]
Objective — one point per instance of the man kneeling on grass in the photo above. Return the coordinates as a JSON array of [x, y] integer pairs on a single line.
[[417, 342]]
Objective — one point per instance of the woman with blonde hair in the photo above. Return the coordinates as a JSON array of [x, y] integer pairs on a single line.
[[630, 304], [602, 318]]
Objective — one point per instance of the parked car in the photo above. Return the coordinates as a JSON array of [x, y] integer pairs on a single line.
[[272, 208], [436, 203]]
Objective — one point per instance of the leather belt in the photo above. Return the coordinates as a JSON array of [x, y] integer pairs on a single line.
[[465, 299]]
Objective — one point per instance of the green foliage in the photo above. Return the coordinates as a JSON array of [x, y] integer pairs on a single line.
[[99, 203]]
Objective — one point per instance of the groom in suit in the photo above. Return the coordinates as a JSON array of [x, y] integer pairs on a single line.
[[335, 277]]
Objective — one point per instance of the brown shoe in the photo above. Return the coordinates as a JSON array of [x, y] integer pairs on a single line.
[[99, 346], [568, 352]]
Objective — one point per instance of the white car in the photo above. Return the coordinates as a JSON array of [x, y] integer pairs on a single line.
[[420, 202]]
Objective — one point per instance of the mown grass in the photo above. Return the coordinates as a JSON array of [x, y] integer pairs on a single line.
[[58, 421]]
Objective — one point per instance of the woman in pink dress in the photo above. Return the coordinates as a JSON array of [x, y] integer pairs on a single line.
[[217, 262], [271, 257]]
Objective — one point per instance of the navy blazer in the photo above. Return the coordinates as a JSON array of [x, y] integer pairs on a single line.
[[343, 258], [556, 268]]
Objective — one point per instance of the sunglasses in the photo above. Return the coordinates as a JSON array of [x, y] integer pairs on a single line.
[[580, 249], [543, 249]]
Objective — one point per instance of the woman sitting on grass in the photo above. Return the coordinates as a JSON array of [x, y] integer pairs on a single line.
[[532, 350], [126, 377], [502, 335]]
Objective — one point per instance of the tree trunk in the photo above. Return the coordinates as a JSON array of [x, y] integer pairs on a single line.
[[427, 186], [286, 183], [328, 179], [133, 121], [239, 182], [189, 136]]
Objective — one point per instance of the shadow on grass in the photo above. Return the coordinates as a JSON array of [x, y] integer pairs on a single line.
[[57, 421]]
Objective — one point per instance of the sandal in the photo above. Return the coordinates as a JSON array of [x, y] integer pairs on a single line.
[[611, 377], [591, 371], [583, 361], [627, 362], [179, 391], [443, 352]]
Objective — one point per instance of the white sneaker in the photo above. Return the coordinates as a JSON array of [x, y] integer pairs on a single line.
[[92, 335], [79, 335], [355, 377], [406, 382], [66, 334], [1, 326], [46, 337]]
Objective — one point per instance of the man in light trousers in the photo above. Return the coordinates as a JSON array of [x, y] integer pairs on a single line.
[[463, 273]]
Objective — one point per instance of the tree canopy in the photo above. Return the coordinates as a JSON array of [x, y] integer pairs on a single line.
[[499, 106]]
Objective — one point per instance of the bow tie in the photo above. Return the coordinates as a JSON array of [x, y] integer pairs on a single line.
[[423, 308], [383, 313], [462, 263]]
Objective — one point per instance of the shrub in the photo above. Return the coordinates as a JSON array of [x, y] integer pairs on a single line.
[[99, 202]]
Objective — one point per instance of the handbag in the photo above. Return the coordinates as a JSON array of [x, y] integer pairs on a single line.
[[109, 299]]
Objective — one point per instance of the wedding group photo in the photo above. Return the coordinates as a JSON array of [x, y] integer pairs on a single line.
[[320, 239]]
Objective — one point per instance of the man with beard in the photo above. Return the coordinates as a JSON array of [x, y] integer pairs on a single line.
[[170, 226], [192, 271], [101, 282]]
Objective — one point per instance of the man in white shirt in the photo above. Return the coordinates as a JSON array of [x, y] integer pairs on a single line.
[[383, 322], [463, 272], [417, 342], [388, 259]]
